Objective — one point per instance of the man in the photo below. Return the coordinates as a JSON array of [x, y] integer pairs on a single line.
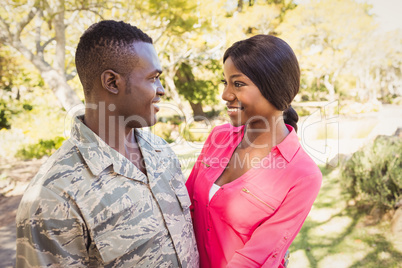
[[112, 195]]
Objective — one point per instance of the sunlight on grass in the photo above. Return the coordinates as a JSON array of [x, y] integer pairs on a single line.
[[333, 228], [337, 235]]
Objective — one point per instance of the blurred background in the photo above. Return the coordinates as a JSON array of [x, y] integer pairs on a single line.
[[350, 102]]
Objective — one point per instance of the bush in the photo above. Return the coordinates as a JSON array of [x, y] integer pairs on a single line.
[[195, 132], [165, 131], [8, 109], [373, 175], [4, 116], [40, 149]]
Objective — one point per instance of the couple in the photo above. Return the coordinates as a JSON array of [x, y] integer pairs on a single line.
[[114, 195]]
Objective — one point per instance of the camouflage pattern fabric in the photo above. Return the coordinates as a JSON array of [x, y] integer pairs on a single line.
[[90, 206]]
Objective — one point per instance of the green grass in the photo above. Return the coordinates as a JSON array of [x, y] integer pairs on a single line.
[[187, 160], [336, 234]]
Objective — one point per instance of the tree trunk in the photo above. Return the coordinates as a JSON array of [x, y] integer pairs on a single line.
[[56, 80], [240, 5], [60, 33], [198, 113], [330, 87], [54, 77], [61, 89], [172, 92]]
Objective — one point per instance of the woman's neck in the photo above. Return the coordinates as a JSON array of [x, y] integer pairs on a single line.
[[263, 134]]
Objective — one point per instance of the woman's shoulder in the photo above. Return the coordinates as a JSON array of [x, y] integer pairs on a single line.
[[305, 168], [226, 129], [225, 133]]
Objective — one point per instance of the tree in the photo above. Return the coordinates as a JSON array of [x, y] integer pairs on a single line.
[[175, 28], [327, 36], [198, 84], [377, 67], [43, 23]]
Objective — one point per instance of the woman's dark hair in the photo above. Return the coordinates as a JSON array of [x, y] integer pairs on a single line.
[[273, 67]]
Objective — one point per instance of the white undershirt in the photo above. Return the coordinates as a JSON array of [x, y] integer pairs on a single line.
[[213, 190]]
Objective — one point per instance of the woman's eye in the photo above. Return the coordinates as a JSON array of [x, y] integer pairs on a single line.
[[237, 84], [224, 82]]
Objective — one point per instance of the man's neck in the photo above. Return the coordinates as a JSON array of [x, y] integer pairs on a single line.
[[106, 125]]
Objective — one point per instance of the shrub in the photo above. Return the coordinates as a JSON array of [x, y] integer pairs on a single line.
[[40, 149], [213, 113], [165, 131], [9, 108], [373, 175], [4, 116], [195, 132]]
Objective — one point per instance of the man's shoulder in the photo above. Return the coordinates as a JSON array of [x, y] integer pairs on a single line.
[[47, 185], [60, 164], [153, 139]]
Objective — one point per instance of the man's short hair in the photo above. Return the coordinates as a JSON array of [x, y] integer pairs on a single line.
[[105, 45]]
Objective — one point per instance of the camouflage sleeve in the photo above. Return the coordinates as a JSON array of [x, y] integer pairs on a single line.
[[50, 231]]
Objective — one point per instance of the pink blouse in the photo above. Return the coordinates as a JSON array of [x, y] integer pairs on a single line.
[[251, 221]]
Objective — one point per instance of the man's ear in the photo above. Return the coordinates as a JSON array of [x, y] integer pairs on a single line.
[[111, 81]]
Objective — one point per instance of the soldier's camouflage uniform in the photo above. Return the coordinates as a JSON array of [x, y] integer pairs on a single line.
[[89, 206]]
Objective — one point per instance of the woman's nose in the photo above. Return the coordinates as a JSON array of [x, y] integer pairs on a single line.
[[227, 95]]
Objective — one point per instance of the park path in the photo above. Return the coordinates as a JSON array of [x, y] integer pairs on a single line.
[[18, 174], [21, 172]]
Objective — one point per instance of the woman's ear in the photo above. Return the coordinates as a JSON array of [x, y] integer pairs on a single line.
[[111, 81]]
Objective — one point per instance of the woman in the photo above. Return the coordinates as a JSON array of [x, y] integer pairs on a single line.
[[253, 185]]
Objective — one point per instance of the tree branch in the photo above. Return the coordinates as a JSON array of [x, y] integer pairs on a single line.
[[6, 27], [47, 43], [86, 9], [35, 59], [71, 75], [26, 20]]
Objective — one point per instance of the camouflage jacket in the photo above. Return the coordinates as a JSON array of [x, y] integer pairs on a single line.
[[90, 206]]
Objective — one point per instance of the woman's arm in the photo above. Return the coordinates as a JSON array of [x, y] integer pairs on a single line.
[[269, 242]]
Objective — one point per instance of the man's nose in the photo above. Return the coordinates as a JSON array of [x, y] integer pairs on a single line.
[[160, 90]]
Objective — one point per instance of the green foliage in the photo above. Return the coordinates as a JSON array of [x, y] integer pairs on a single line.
[[302, 111], [174, 120], [199, 86], [196, 131], [213, 113], [5, 115], [374, 173], [10, 108], [40, 149], [164, 130]]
